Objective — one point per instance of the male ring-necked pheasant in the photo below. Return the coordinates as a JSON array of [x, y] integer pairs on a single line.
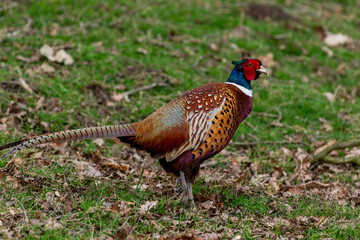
[[183, 133]]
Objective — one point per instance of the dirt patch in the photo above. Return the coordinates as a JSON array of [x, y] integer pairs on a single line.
[[261, 12], [142, 73]]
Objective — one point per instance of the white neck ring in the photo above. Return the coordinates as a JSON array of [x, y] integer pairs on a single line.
[[247, 92]]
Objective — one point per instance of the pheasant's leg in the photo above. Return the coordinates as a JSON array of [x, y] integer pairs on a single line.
[[183, 179], [185, 196], [190, 193]]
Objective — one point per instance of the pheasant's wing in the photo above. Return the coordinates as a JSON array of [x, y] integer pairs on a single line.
[[201, 107], [180, 125]]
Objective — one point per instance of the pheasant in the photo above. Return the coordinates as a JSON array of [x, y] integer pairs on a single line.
[[183, 133]]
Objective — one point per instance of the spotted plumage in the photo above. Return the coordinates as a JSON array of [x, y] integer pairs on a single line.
[[183, 133]]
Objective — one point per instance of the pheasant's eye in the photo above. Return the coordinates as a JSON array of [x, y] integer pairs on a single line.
[[249, 64]]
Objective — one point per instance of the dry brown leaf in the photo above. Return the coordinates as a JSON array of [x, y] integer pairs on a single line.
[[303, 219], [122, 168], [3, 127], [330, 96], [60, 56], [239, 32], [54, 29], [46, 68], [214, 47], [51, 223], [142, 51], [336, 39], [147, 206], [305, 79], [48, 52], [86, 169], [207, 205], [118, 97], [355, 152], [63, 57], [99, 142], [315, 184], [341, 68], [39, 103], [32, 59], [326, 126], [268, 60], [303, 158], [328, 51], [274, 184]]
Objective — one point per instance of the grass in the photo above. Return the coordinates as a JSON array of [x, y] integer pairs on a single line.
[[107, 40]]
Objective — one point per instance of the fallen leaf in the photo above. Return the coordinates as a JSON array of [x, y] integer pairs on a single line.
[[328, 51], [46, 68], [305, 79], [303, 159], [51, 223], [48, 52], [330, 96], [355, 152], [207, 205], [214, 47], [268, 60], [239, 32], [123, 233], [336, 39], [34, 58], [142, 51], [60, 56], [114, 165], [141, 187], [326, 126], [118, 97], [63, 57], [91, 171], [54, 29], [303, 219], [341, 68], [3, 127], [147, 206], [99, 142]]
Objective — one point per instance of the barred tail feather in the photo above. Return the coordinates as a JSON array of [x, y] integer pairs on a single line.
[[125, 130]]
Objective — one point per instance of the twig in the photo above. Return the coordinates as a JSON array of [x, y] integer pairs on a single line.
[[26, 217], [126, 94], [196, 63], [250, 125], [265, 114], [354, 159], [23, 83], [246, 144], [276, 122], [322, 154]]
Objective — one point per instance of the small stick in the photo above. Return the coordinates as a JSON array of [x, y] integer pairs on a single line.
[[126, 94], [23, 83], [322, 155], [246, 144], [26, 217], [265, 114]]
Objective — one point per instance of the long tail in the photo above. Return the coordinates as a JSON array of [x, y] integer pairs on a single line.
[[125, 130]]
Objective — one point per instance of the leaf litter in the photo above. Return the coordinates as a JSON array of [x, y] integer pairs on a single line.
[[237, 173]]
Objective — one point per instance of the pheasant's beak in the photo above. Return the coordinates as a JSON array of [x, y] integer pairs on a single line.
[[263, 70]]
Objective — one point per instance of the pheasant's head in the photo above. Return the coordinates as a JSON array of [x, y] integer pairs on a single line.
[[245, 71], [251, 68]]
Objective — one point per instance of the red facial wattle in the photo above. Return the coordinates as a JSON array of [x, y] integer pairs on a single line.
[[249, 69]]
